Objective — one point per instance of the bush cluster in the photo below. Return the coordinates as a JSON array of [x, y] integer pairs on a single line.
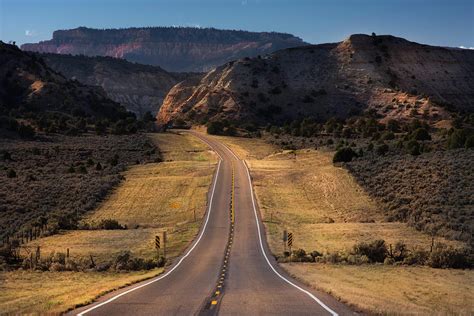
[[377, 251], [432, 192], [221, 128], [58, 262], [48, 185]]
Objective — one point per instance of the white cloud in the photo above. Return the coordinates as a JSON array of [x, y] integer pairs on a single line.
[[30, 33], [464, 47], [244, 2]]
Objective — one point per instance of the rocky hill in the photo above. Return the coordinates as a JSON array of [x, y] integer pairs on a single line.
[[31, 91], [173, 48], [389, 76], [140, 88]]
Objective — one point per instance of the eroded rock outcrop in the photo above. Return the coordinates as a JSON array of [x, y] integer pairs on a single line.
[[140, 88], [390, 76], [181, 49]]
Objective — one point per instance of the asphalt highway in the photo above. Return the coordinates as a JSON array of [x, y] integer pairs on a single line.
[[228, 269]]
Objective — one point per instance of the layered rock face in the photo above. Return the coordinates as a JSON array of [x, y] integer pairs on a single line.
[[174, 49], [386, 75], [140, 88]]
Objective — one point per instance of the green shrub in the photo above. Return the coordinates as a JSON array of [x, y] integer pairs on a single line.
[[299, 253], [315, 254], [400, 251], [125, 261], [82, 169], [413, 147], [443, 256], [376, 250], [457, 138], [421, 134], [388, 135], [416, 257], [231, 131], [344, 154], [469, 142], [11, 173], [393, 125], [357, 259], [109, 224], [381, 149], [215, 128]]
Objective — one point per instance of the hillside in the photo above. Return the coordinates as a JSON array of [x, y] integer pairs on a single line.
[[173, 48], [386, 75], [31, 91], [140, 88]]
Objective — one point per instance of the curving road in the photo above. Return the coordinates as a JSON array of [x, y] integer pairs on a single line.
[[228, 269]]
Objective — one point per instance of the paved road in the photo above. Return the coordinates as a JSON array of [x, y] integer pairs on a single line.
[[228, 269]]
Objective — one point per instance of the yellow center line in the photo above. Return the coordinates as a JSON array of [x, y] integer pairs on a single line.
[[232, 201]]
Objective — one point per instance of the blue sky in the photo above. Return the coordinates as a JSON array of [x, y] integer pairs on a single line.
[[436, 22]]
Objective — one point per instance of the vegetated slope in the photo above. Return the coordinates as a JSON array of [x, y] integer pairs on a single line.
[[28, 87], [50, 184], [140, 88], [390, 76], [173, 48], [433, 192]]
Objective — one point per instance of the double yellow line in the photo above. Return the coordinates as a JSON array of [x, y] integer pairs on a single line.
[[220, 284], [232, 199]]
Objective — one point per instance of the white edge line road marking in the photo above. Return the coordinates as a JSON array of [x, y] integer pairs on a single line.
[[179, 262], [263, 250]]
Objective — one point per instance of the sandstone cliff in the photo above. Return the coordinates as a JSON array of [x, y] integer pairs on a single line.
[[390, 76], [173, 48], [140, 88]]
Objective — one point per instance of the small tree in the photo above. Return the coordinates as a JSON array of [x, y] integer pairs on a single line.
[[393, 125], [457, 139], [413, 147], [421, 134], [469, 142], [388, 135], [148, 117], [382, 149], [82, 169], [344, 154], [215, 128], [376, 250], [11, 173]]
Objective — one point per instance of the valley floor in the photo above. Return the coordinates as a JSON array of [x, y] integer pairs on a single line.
[[155, 197], [326, 210]]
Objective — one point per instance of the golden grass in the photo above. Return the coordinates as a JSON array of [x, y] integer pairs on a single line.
[[301, 191], [248, 148], [153, 198], [158, 195], [392, 290], [182, 146], [106, 244], [23, 292]]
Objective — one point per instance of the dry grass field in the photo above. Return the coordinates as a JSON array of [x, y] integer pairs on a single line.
[[26, 292], [301, 191], [392, 290], [248, 148], [153, 198]]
